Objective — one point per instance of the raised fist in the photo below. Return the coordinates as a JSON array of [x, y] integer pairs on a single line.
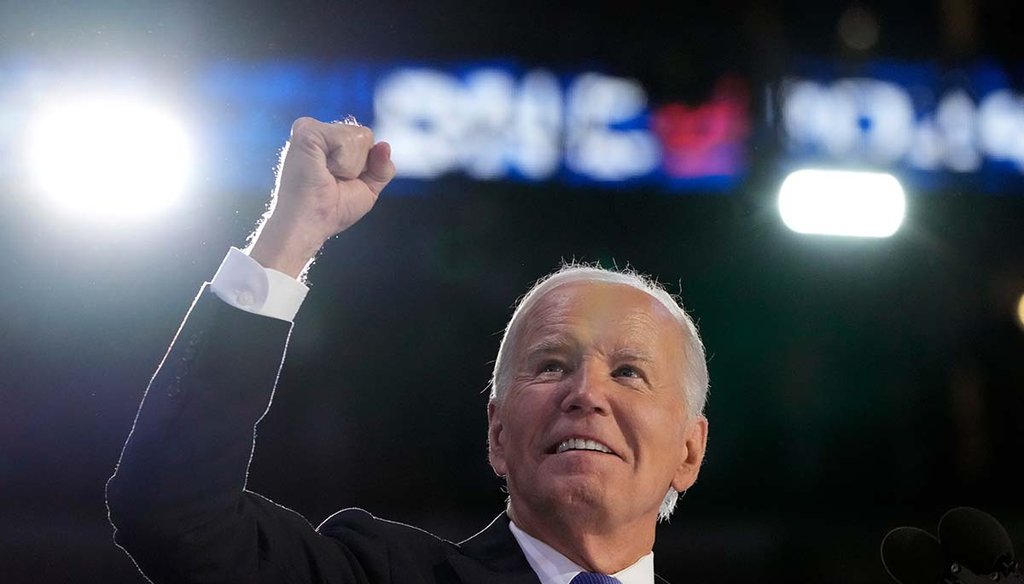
[[330, 176]]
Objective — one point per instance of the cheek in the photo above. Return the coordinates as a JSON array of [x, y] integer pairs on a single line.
[[527, 416], [662, 426], [517, 426]]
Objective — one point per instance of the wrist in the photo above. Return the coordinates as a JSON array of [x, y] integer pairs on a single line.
[[287, 251]]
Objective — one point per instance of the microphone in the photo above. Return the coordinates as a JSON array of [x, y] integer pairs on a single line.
[[979, 543], [913, 556], [972, 548]]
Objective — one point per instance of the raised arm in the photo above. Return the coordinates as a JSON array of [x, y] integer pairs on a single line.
[[178, 499]]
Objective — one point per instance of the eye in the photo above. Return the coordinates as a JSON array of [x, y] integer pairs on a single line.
[[626, 371], [552, 367]]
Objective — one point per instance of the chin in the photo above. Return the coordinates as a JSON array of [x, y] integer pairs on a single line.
[[579, 494], [575, 493]]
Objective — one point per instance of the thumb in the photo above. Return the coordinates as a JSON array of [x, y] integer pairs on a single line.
[[379, 168]]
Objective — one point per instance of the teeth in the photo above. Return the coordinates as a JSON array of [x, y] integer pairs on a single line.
[[581, 444]]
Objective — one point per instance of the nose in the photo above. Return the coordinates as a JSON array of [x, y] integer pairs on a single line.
[[586, 391]]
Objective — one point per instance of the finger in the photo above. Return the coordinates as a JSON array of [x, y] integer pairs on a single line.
[[348, 147], [308, 137], [342, 148], [379, 168]]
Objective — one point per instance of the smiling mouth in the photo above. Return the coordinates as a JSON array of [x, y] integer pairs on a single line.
[[581, 444]]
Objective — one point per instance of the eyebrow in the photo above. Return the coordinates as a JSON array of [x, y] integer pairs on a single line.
[[560, 344], [555, 344], [628, 354]]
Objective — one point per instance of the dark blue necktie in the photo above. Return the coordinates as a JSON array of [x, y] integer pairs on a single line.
[[592, 578]]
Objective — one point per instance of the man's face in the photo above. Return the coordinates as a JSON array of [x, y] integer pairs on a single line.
[[594, 420]]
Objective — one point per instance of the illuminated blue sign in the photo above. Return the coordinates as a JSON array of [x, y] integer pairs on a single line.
[[936, 128], [492, 122]]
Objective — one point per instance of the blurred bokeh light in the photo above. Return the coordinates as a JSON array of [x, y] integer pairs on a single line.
[[108, 157], [834, 202], [1020, 311]]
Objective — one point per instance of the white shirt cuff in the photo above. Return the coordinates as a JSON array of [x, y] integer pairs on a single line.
[[243, 283]]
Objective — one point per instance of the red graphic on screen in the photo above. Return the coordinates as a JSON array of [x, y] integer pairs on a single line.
[[708, 139]]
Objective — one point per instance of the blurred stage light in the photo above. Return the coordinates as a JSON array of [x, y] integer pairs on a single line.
[[832, 202], [1020, 311], [108, 157]]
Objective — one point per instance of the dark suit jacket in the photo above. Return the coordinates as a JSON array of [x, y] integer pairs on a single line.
[[178, 499]]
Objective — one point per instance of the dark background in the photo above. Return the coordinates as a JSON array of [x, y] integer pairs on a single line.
[[857, 385]]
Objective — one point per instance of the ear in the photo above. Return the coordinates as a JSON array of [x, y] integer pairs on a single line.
[[495, 439], [696, 439]]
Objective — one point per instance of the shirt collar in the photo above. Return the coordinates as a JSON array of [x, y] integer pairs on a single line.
[[554, 568]]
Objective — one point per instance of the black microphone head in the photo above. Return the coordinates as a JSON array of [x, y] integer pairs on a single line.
[[913, 556], [975, 539]]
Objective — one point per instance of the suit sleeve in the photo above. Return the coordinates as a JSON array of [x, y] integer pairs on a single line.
[[177, 499]]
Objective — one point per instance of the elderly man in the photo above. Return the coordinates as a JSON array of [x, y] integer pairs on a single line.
[[595, 418]]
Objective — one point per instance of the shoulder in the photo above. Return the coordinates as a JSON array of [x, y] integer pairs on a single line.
[[388, 551], [356, 524]]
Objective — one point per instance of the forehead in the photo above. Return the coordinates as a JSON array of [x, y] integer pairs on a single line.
[[601, 311]]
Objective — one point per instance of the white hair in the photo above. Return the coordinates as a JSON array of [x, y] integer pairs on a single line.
[[695, 370]]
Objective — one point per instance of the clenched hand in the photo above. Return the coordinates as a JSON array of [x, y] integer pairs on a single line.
[[330, 176]]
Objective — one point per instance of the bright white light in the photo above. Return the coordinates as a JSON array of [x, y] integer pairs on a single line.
[[831, 202], [108, 156]]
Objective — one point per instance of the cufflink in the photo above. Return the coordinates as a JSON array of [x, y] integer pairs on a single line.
[[244, 298]]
